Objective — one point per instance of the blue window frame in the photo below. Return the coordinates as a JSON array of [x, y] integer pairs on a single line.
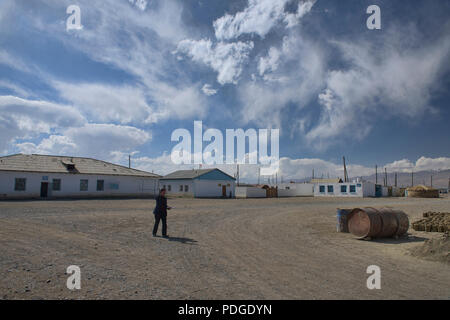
[[353, 188], [343, 189], [322, 189], [330, 189]]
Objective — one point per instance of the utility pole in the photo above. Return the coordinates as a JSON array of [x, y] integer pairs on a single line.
[[376, 174], [431, 181], [412, 178], [129, 161], [259, 175], [396, 179], [385, 177], [345, 171], [313, 174], [238, 175]]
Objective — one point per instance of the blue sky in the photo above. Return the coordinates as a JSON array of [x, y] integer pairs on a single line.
[[139, 69]]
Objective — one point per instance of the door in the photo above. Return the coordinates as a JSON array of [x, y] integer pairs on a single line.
[[44, 189], [224, 191], [378, 191]]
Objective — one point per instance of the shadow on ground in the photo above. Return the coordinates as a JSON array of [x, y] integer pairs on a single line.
[[407, 239], [183, 240]]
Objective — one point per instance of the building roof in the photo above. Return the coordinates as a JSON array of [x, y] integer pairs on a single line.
[[65, 164], [335, 180], [190, 174]]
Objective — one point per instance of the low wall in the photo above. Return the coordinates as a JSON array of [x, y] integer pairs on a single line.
[[250, 192]]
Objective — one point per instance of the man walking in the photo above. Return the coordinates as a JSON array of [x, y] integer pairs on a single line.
[[160, 213]]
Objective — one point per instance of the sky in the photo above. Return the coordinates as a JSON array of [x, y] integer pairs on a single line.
[[137, 70]]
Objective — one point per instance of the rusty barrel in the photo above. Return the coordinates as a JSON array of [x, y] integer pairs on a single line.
[[402, 220], [390, 224], [364, 223]]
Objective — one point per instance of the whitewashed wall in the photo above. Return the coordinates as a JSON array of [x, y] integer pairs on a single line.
[[175, 187], [213, 188], [368, 189], [70, 185], [250, 192], [337, 190]]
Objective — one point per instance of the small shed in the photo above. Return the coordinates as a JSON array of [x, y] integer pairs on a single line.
[[199, 183]]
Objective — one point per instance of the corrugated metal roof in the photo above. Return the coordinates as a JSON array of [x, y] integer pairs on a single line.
[[190, 174], [186, 174], [61, 164]]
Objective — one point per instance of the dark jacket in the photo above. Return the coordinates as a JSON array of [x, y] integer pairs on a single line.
[[161, 205]]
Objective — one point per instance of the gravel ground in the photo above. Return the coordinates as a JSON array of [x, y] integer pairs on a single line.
[[219, 249]]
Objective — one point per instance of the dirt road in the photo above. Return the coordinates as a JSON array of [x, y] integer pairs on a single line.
[[219, 249]]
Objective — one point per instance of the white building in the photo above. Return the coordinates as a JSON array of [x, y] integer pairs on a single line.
[[346, 189], [39, 176], [295, 190], [250, 192], [202, 183]]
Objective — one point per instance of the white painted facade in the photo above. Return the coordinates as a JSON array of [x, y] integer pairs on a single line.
[[296, 190], [70, 185], [348, 189], [250, 192], [199, 188]]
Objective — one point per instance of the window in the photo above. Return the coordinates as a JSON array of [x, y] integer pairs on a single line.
[[181, 188], [84, 185], [353, 188], [169, 188], [343, 189], [330, 189], [56, 185], [100, 185], [186, 188], [322, 189], [21, 184], [114, 186]]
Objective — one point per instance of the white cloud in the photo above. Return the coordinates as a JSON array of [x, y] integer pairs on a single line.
[[259, 17], [291, 73], [13, 61], [25, 119], [292, 19], [123, 104], [227, 59], [52, 145], [269, 63], [15, 88], [382, 82], [96, 140], [141, 4], [208, 90], [294, 168], [138, 42]]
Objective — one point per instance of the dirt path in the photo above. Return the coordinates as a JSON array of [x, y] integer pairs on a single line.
[[220, 249]]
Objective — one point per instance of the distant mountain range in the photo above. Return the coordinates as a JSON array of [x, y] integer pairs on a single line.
[[440, 178]]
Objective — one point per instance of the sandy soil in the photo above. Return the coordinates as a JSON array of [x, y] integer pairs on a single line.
[[220, 249]]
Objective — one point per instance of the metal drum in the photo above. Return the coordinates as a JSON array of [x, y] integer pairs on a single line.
[[390, 223], [364, 223], [402, 220]]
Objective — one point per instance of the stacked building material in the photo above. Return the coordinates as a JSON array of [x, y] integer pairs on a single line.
[[422, 192], [433, 222]]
